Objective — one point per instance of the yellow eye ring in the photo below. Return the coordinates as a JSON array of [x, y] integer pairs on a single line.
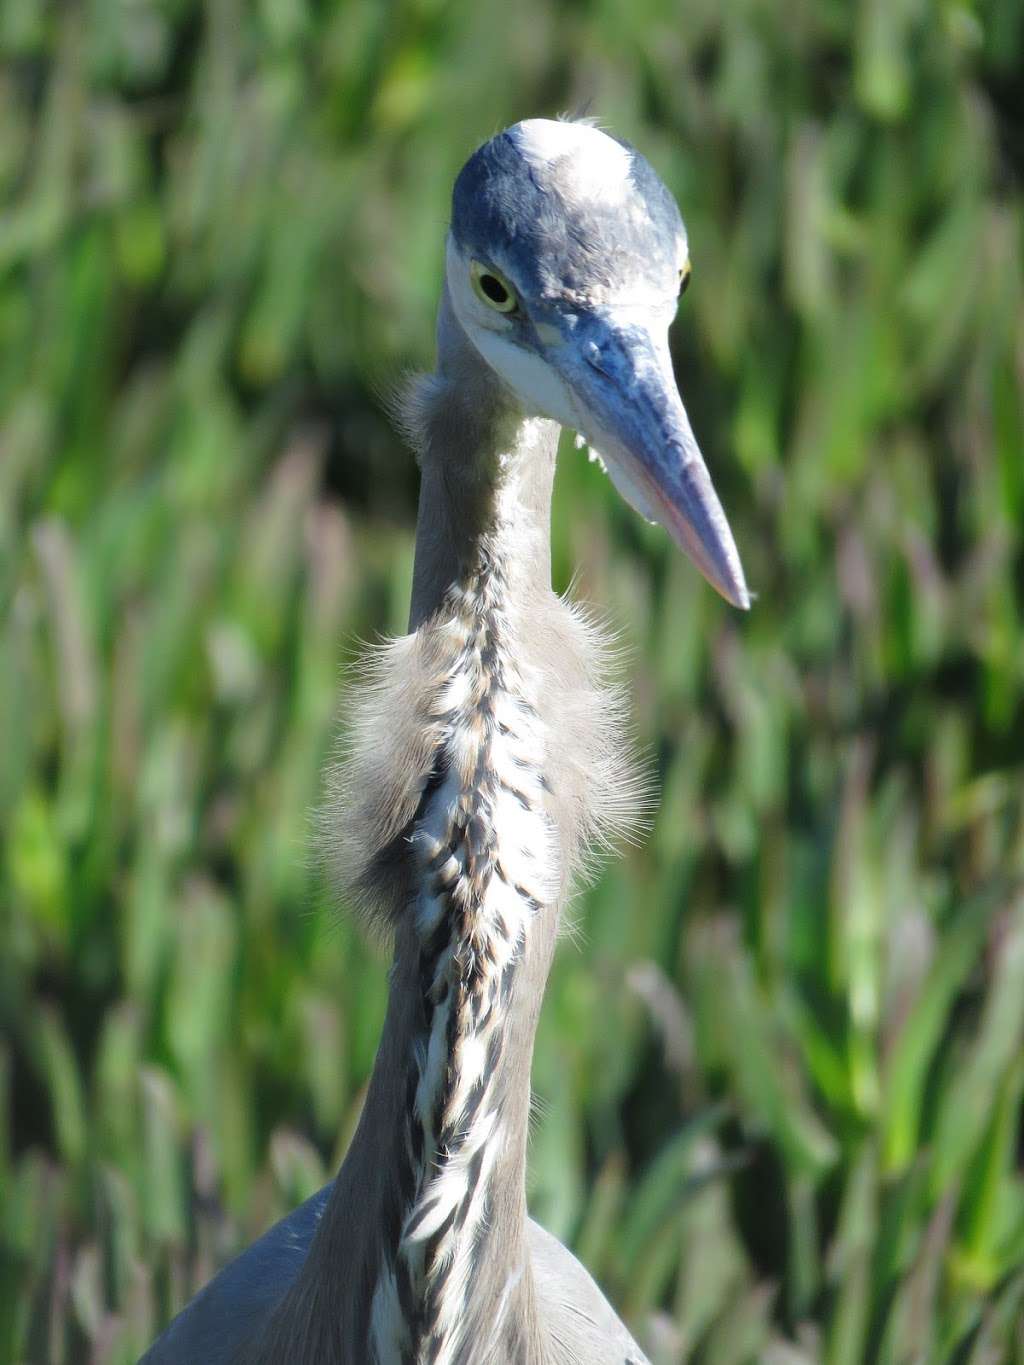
[[685, 271], [491, 287]]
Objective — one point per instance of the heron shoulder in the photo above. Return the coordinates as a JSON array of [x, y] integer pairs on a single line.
[[233, 1307], [576, 1319]]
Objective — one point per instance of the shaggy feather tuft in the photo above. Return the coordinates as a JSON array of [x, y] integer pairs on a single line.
[[393, 730]]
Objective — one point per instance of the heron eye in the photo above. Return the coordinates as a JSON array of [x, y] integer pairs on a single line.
[[684, 278], [493, 289]]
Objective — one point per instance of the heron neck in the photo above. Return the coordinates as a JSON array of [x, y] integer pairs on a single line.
[[428, 1215], [476, 944], [486, 477]]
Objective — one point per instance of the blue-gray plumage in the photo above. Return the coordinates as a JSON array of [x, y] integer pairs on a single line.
[[486, 757], [505, 199]]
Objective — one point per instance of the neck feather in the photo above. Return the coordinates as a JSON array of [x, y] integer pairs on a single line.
[[461, 823], [486, 477], [485, 872], [487, 879]]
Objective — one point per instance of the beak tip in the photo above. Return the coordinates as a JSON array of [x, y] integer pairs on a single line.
[[725, 572], [737, 594]]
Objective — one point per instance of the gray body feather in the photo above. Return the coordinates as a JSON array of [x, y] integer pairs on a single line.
[[578, 1327]]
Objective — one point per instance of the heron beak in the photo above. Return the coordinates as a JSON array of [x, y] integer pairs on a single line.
[[620, 378]]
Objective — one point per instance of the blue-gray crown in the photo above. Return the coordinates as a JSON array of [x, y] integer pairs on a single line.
[[521, 202]]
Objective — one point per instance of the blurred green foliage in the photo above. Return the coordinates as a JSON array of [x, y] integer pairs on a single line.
[[780, 1072]]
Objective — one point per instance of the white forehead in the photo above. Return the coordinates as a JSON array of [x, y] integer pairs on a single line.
[[591, 165]]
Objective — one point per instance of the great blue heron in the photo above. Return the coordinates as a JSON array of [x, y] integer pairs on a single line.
[[487, 753]]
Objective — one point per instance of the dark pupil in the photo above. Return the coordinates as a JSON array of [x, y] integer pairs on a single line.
[[684, 283], [494, 289]]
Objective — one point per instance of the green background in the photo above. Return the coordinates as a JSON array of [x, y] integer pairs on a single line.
[[779, 1073]]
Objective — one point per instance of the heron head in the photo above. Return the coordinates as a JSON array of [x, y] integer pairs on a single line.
[[566, 259]]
